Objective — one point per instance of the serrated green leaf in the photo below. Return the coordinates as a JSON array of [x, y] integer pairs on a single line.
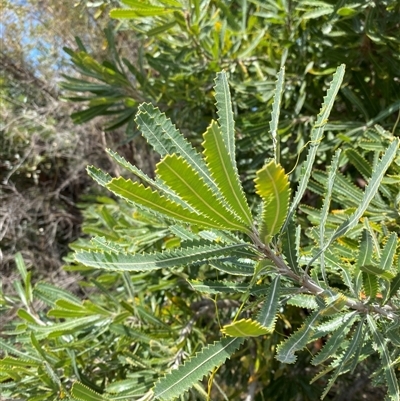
[[268, 313], [276, 107], [157, 202], [225, 114], [370, 285], [245, 328], [366, 249], [157, 260], [83, 393], [297, 341], [178, 174], [181, 379], [388, 252], [139, 12], [272, 185], [316, 136], [325, 208], [163, 136], [14, 351], [236, 268], [348, 353], [394, 286], [390, 375], [303, 301], [359, 163], [98, 175], [377, 271], [335, 340], [224, 173], [291, 245], [218, 287], [370, 192], [146, 179]]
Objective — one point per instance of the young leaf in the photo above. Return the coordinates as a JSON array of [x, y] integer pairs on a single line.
[[245, 328], [268, 313], [157, 260], [180, 380], [297, 341], [224, 173], [272, 184], [178, 174]]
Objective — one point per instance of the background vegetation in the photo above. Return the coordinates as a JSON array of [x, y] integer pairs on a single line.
[[167, 57]]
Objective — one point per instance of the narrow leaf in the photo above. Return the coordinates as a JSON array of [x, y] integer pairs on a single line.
[[390, 375], [225, 114], [154, 261], [388, 252], [316, 136], [181, 379], [369, 194], [153, 200], [276, 108], [297, 341], [178, 174], [166, 139], [224, 173], [83, 393], [268, 313]]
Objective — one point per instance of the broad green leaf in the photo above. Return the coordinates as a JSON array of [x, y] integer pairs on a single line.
[[298, 340], [180, 380], [153, 200], [272, 185], [276, 108], [163, 136], [83, 393], [224, 173], [157, 260], [268, 313], [245, 328], [316, 136], [335, 340], [390, 375], [178, 174], [225, 114]]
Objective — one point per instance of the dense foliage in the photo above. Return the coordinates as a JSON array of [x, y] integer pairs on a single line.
[[301, 265]]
